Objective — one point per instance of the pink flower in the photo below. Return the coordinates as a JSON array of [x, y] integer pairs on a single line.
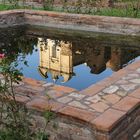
[[2, 55]]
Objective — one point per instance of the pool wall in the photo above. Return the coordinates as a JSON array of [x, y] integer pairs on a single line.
[[84, 22], [108, 110], [11, 18], [115, 25]]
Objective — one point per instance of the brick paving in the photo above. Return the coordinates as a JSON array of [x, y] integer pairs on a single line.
[[102, 105]]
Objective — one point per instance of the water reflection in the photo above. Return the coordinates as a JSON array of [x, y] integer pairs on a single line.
[[67, 59], [14, 43], [59, 57]]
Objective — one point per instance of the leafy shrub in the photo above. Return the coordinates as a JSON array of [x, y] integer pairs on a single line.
[[15, 119]]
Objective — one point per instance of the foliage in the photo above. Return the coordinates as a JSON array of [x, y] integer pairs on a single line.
[[48, 4], [13, 3], [95, 7], [4, 7], [16, 122], [131, 8]]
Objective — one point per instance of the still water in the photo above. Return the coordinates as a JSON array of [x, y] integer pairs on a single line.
[[65, 58]]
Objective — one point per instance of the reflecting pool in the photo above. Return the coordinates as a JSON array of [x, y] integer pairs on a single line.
[[77, 61]]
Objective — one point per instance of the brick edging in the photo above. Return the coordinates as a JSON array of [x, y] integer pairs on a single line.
[[64, 101]]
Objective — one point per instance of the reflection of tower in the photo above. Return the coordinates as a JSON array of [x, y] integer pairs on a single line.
[[56, 58], [120, 57], [96, 59], [115, 62]]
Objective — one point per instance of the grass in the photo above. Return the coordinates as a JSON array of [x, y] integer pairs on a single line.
[[127, 0], [4, 7], [9, 7], [118, 12]]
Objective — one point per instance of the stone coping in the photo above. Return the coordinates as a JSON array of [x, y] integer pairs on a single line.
[[124, 20], [92, 19], [115, 25], [102, 106]]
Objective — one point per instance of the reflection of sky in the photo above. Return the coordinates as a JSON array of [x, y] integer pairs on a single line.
[[138, 58], [82, 79]]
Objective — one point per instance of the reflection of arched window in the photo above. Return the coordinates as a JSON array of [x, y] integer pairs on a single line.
[[41, 48], [54, 51], [55, 48]]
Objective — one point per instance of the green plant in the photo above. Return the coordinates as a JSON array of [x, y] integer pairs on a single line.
[[48, 4], [15, 119], [135, 8], [65, 5], [14, 3]]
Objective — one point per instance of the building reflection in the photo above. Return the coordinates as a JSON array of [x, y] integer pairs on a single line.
[[58, 57]]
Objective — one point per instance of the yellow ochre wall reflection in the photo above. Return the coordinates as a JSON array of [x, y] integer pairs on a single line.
[[56, 58]]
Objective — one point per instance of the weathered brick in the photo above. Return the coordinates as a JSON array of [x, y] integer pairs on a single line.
[[31, 81], [77, 104], [43, 105], [63, 88], [127, 104], [108, 119], [64, 99], [111, 89], [135, 81], [92, 90], [135, 93], [77, 96], [94, 99], [54, 93], [112, 98], [35, 88], [28, 92], [22, 99], [128, 87], [77, 113], [99, 107]]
